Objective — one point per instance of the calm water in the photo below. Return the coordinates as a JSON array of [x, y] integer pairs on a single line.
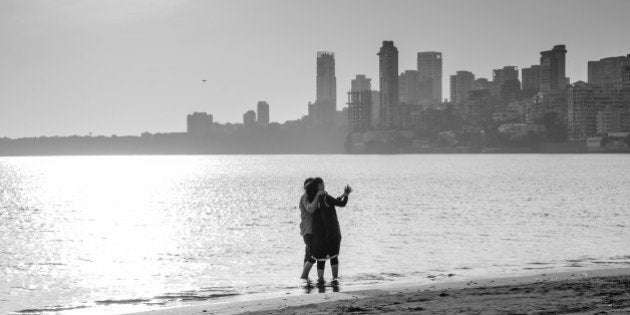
[[131, 233]]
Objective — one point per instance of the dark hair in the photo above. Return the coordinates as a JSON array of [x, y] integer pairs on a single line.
[[313, 188], [307, 181]]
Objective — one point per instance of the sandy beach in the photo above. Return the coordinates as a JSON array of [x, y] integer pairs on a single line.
[[604, 291]]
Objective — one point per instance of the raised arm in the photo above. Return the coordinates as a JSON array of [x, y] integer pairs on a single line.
[[342, 200], [337, 202]]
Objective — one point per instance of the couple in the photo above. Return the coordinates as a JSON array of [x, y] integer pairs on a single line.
[[320, 228]]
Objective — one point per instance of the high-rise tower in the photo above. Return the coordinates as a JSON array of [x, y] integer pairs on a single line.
[[408, 87], [553, 69], [326, 102], [505, 84], [461, 85], [388, 83], [530, 79], [430, 76]]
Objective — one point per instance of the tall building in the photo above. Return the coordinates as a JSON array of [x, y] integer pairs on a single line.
[[430, 76], [408, 87], [530, 79], [262, 110], [586, 102], [199, 124], [326, 102], [461, 85], [505, 84], [625, 77], [249, 118], [359, 110], [388, 83], [553, 69], [362, 104], [607, 72], [360, 83]]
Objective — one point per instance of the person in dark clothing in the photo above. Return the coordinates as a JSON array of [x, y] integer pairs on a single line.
[[326, 231]]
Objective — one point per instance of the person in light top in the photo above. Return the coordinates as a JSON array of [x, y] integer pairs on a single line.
[[306, 230]]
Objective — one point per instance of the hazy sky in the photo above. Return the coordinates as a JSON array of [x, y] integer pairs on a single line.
[[127, 66]]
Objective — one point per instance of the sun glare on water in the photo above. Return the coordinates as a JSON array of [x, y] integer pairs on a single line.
[[119, 223]]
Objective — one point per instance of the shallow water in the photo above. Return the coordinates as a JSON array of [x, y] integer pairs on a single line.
[[112, 234]]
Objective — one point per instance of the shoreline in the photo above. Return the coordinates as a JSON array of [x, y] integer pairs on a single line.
[[582, 290], [118, 154]]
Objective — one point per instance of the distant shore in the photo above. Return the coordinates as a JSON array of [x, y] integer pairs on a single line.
[[332, 141], [61, 154], [579, 291]]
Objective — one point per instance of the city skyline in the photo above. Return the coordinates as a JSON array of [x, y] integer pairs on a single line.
[[61, 75]]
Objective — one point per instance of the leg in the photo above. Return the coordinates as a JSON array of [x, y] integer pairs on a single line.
[[308, 260], [308, 264], [334, 266], [307, 269], [320, 269], [335, 243]]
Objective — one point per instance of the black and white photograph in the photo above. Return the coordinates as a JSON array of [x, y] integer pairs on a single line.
[[167, 157]]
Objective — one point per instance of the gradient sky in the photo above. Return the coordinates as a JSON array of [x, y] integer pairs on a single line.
[[127, 66]]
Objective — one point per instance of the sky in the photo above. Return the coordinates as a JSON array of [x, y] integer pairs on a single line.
[[103, 67]]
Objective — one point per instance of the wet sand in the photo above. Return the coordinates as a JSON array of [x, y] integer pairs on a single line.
[[604, 291]]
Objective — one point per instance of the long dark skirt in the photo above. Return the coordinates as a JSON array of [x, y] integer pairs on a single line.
[[325, 243]]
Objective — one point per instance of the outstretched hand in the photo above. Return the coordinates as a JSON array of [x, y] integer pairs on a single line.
[[347, 190]]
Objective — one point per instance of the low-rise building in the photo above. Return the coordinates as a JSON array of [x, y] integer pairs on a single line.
[[262, 109], [199, 124], [249, 118]]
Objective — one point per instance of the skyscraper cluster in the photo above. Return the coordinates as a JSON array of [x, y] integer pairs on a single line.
[[398, 96], [545, 96], [541, 100]]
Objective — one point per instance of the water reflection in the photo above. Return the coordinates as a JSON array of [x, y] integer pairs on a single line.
[[78, 231]]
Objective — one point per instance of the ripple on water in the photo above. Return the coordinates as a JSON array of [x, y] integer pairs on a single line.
[[236, 218], [193, 296], [122, 301], [51, 309]]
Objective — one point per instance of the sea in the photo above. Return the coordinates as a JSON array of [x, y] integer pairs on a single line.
[[116, 234]]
